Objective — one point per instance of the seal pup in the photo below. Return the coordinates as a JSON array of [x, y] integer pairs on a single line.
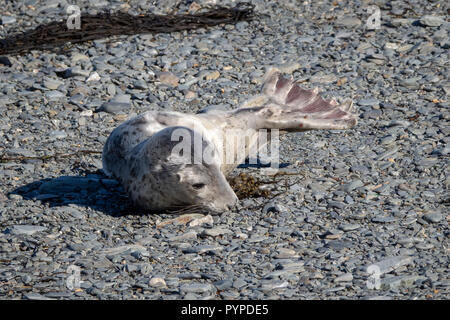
[[140, 152]]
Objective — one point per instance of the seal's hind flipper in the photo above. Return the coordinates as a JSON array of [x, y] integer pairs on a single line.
[[292, 108]]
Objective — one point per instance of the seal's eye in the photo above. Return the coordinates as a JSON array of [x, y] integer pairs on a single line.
[[198, 186]]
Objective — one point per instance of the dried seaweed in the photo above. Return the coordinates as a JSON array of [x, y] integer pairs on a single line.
[[6, 159], [104, 24]]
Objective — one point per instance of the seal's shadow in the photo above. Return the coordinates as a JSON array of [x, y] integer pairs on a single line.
[[94, 190]]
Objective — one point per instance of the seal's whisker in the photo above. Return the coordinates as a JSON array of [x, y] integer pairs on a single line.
[[186, 209]]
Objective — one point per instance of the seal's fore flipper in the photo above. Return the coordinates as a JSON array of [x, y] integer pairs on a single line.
[[289, 107]]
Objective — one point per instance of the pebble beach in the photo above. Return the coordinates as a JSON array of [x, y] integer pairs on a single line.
[[355, 214]]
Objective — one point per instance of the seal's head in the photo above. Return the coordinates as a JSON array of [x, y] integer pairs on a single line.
[[204, 185], [178, 167]]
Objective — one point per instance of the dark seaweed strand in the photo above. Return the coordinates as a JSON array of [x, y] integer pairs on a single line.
[[105, 24]]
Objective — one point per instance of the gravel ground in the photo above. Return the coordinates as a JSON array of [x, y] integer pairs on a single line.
[[374, 197]]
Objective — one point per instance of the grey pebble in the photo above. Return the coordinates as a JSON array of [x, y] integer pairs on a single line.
[[52, 84], [8, 20], [54, 95], [346, 277], [36, 296], [223, 284], [25, 229], [434, 217], [352, 185], [117, 104], [76, 71], [349, 227], [384, 219], [200, 249], [369, 102], [397, 281], [273, 285], [431, 21], [196, 287], [392, 263], [217, 231], [349, 22]]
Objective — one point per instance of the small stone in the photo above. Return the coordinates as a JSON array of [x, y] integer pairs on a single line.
[[202, 249], [189, 95], [388, 140], [57, 134], [390, 264], [339, 244], [333, 234], [202, 46], [411, 83], [273, 285], [431, 21], [397, 281], [15, 196], [239, 283], [73, 212], [391, 46], [168, 78], [384, 219], [185, 236], [25, 229], [289, 67], [323, 78], [180, 220], [284, 253], [52, 84], [157, 282], [77, 57], [140, 84], [93, 77], [54, 95], [86, 113], [242, 236], [194, 7], [349, 187], [346, 277], [349, 227], [125, 248], [199, 221], [212, 75], [8, 20], [214, 232], [196, 287], [119, 103], [434, 217], [369, 102], [36, 296], [349, 22], [111, 89], [76, 72], [223, 284], [424, 246]]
